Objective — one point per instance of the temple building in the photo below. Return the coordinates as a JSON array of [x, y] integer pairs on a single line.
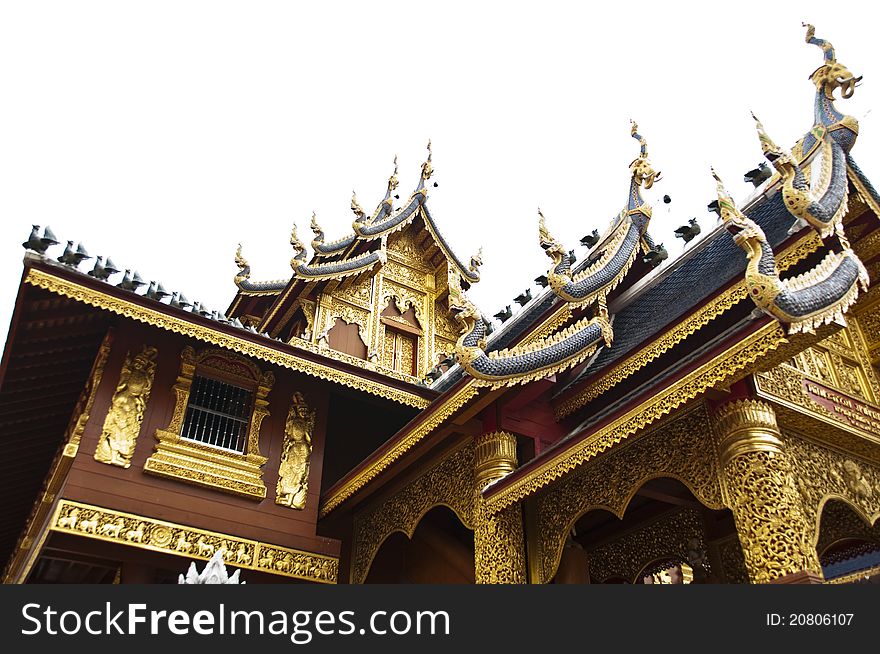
[[715, 419]]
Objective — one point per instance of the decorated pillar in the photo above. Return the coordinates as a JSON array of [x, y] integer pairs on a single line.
[[759, 487], [499, 552]]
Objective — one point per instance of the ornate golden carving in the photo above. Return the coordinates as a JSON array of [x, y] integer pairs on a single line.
[[350, 314], [790, 386], [123, 422], [436, 418], [499, 548], [264, 352], [96, 522], [359, 293], [495, 456], [759, 487], [733, 563], [499, 551], [186, 460], [680, 447], [293, 472], [666, 539], [745, 426], [762, 274], [680, 331], [823, 474], [449, 483], [725, 368]]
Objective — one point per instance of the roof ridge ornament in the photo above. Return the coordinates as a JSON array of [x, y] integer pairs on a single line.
[[317, 230], [828, 77], [244, 268], [821, 204], [427, 166], [357, 209], [803, 303], [299, 249], [642, 171]]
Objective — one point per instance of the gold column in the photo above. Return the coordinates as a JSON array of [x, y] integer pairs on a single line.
[[499, 551], [759, 487]]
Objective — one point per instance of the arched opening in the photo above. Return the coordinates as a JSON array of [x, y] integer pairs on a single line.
[[665, 536], [848, 546], [441, 551], [345, 337]]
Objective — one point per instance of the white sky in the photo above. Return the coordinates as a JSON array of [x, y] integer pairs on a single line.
[[164, 133]]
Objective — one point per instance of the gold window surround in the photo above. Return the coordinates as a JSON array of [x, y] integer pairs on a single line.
[[201, 464]]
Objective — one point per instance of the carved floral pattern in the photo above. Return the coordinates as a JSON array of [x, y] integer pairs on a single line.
[[664, 539], [681, 448], [449, 483]]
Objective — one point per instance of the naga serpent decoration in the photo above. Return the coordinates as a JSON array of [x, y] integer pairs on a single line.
[[815, 189], [618, 248], [525, 363], [819, 296]]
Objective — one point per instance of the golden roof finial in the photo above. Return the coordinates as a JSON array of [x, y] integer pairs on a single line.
[[314, 224], [427, 167], [477, 260], [240, 261], [392, 181], [294, 240], [543, 233], [356, 207], [767, 144], [725, 203]]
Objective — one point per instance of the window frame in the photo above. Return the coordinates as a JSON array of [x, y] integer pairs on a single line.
[[203, 464]]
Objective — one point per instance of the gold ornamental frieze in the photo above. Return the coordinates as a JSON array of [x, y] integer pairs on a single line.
[[146, 533], [680, 447]]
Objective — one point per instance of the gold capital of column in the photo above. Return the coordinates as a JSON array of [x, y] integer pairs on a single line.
[[495, 457], [499, 547], [746, 426]]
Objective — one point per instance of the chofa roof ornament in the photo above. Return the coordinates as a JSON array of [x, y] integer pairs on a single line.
[[803, 303]]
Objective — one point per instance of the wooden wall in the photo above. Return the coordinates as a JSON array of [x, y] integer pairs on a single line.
[[132, 491]]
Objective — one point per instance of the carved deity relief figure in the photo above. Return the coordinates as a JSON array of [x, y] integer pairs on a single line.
[[123, 421], [293, 473]]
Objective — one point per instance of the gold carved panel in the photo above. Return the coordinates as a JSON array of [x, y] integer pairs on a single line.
[[201, 464], [822, 474], [293, 473], [147, 533], [681, 448], [122, 425], [449, 483], [666, 539]]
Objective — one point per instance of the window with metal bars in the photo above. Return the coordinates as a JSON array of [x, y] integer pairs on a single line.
[[218, 414]]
